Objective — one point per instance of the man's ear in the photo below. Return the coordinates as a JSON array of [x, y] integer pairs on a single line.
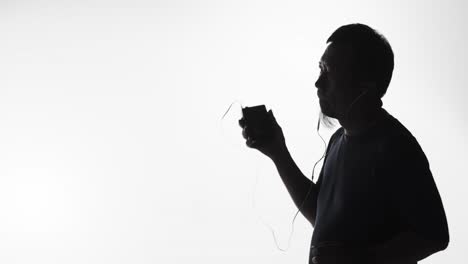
[[370, 87]]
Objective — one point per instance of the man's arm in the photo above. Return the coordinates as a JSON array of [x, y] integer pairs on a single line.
[[298, 185], [414, 199]]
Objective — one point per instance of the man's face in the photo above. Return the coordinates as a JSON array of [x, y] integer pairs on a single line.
[[334, 85]]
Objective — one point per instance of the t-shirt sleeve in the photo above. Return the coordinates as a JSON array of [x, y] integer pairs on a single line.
[[411, 190]]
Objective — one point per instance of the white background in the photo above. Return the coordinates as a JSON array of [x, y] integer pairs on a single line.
[[112, 147]]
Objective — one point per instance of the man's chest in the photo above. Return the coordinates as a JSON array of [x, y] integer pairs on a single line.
[[350, 180]]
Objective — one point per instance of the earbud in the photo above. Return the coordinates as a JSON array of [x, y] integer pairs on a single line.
[[354, 101]]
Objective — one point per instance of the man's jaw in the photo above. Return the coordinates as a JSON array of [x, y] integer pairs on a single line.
[[327, 121]]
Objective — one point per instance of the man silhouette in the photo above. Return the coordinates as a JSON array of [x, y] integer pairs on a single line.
[[375, 200]]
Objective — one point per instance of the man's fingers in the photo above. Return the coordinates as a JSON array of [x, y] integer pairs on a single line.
[[251, 143], [246, 132], [248, 142]]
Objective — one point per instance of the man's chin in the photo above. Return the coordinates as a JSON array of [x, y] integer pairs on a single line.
[[327, 120]]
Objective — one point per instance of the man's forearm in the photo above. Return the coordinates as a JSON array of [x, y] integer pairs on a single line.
[[297, 185], [406, 247]]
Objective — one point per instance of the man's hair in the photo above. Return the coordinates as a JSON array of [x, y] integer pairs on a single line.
[[373, 55]]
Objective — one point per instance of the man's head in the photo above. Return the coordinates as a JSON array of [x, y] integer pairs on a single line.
[[357, 62]]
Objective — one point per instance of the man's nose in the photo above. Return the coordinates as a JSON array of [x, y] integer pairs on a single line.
[[319, 82]]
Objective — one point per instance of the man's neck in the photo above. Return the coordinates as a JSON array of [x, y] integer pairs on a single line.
[[362, 122]]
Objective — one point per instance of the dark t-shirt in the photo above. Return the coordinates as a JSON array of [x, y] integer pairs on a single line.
[[374, 185]]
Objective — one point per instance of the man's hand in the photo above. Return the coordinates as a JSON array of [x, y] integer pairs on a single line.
[[274, 146]]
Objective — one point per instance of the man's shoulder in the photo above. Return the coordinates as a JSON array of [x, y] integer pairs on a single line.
[[399, 141], [398, 136]]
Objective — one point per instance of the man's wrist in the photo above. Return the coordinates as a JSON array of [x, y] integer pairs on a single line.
[[281, 155]]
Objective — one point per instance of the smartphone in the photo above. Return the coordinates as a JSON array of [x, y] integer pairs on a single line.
[[254, 114], [256, 118]]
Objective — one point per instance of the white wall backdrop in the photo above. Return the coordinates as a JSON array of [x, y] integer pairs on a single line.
[[112, 148]]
